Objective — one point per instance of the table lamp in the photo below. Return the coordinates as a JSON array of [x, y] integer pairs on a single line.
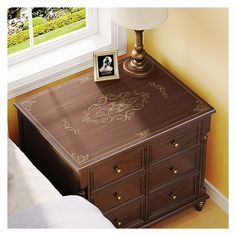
[[138, 19]]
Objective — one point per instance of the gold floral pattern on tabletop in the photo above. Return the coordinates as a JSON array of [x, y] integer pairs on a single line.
[[79, 158], [68, 126], [28, 104], [200, 106], [144, 133], [86, 79], [116, 107], [161, 89]]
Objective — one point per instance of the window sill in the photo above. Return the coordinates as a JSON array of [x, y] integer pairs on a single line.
[[62, 61]]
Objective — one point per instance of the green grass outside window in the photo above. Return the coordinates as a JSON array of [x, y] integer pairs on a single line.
[[47, 36]]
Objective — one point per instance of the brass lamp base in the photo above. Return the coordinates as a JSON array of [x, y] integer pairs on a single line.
[[138, 65], [135, 71]]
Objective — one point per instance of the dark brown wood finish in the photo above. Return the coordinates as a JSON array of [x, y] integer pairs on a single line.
[[119, 193], [116, 168], [128, 216], [172, 196], [175, 141], [125, 145], [177, 166]]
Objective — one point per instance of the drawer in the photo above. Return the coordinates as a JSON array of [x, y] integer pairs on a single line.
[[174, 168], [118, 167], [128, 216], [119, 193], [175, 141], [173, 196]]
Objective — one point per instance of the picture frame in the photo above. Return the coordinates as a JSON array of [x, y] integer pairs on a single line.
[[105, 65]]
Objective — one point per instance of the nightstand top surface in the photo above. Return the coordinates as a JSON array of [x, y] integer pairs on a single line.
[[87, 121]]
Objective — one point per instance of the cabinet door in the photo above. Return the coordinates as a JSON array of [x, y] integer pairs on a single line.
[[124, 191], [117, 167], [128, 216], [173, 196], [175, 141], [174, 168]]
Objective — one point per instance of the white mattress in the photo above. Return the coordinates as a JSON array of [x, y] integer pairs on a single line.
[[26, 184], [65, 212], [33, 202]]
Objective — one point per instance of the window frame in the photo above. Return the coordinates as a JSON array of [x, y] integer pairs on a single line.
[[34, 50], [26, 75]]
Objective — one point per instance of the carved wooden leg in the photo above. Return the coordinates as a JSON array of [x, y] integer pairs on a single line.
[[200, 205]]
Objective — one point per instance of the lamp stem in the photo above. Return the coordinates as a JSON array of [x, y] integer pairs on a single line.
[[139, 40], [137, 65], [138, 53]]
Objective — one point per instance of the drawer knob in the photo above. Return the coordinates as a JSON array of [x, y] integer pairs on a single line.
[[175, 143], [175, 171], [117, 169], [118, 223], [172, 196], [118, 197]]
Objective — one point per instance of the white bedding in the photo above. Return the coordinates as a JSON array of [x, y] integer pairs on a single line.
[[33, 202], [26, 184], [65, 212]]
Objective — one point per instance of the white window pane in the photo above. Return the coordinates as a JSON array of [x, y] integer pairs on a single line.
[[18, 35]]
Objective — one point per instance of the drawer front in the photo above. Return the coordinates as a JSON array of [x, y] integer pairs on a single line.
[[130, 215], [118, 167], [174, 168], [172, 196], [175, 141], [119, 194]]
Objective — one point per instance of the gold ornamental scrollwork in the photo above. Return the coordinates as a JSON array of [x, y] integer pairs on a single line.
[[79, 158], [143, 134], [200, 106], [86, 79], [68, 126], [28, 104], [159, 87], [116, 107]]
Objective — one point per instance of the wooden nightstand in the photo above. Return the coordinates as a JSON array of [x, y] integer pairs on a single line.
[[136, 148]]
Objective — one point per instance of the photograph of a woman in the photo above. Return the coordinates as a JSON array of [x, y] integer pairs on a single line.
[[105, 65]]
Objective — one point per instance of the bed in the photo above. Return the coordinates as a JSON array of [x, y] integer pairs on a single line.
[[33, 202]]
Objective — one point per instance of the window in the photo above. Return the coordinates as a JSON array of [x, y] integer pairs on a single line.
[[65, 55], [29, 27]]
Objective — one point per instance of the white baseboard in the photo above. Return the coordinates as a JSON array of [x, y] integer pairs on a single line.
[[217, 196]]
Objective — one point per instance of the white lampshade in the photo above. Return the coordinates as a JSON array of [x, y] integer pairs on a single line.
[[139, 18]]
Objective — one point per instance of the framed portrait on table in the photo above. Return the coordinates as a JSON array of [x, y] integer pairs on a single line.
[[105, 65]]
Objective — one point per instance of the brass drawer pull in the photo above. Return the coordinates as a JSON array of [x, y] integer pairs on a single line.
[[172, 196], [175, 171], [117, 169], [118, 197], [175, 143], [118, 223]]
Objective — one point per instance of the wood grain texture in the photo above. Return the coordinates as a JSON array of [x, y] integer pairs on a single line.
[[117, 167], [169, 197], [173, 168], [119, 193], [132, 218], [136, 148], [113, 110]]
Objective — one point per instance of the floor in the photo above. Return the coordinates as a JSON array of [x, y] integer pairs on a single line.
[[211, 216]]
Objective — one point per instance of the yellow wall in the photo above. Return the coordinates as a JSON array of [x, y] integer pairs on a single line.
[[193, 45]]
